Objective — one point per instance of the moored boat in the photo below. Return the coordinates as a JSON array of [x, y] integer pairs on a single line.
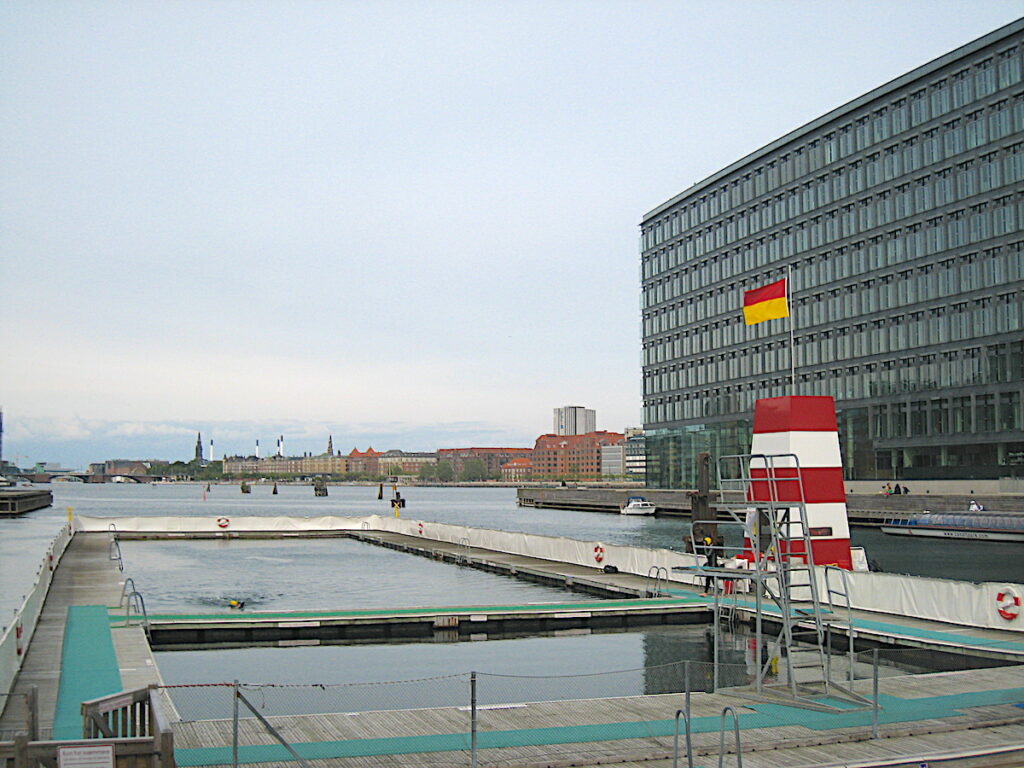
[[979, 526], [637, 505]]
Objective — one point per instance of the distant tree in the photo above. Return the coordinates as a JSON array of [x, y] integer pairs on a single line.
[[472, 470], [445, 473], [428, 472]]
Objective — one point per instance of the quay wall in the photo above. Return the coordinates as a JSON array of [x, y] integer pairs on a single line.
[[16, 636], [863, 509], [963, 603]]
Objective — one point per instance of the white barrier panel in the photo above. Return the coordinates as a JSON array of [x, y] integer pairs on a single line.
[[989, 605], [15, 639], [223, 524]]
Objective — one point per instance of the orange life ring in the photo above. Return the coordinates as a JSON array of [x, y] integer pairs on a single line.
[[598, 553], [1008, 604], [223, 522]]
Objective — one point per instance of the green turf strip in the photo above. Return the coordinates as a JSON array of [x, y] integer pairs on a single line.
[[894, 710], [956, 638], [88, 667], [289, 615]]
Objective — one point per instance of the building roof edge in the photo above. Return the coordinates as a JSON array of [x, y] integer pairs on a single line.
[[984, 41]]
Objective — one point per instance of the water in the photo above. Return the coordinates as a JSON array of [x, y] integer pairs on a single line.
[[23, 540], [437, 674], [310, 574]]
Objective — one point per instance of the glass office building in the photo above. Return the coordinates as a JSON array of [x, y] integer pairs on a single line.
[[901, 216]]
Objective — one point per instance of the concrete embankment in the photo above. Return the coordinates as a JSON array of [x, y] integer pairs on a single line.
[[18, 501], [863, 509]]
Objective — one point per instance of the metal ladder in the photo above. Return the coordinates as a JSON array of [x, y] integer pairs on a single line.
[[768, 489]]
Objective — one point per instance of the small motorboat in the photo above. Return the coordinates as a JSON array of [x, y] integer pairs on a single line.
[[637, 505], [979, 526]]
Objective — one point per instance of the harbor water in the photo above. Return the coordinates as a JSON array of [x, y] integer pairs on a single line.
[[23, 539]]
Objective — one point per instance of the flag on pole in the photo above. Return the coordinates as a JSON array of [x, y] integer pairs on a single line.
[[765, 303]]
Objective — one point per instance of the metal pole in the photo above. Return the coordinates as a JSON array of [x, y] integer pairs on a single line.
[[472, 719], [874, 694], [789, 307], [234, 726]]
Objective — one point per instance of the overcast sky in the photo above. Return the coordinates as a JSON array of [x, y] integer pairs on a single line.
[[407, 224]]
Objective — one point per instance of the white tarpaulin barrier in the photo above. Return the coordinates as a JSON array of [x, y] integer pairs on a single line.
[[15, 639], [989, 605]]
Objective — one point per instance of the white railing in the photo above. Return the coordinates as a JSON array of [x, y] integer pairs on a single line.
[[17, 635]]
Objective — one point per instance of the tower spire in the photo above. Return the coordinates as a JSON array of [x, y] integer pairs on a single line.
[[199, 446], [330, 445]]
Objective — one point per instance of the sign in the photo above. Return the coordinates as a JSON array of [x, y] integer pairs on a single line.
[[86, 757]]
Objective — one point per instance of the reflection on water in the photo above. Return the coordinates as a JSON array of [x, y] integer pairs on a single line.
[[437, 674]]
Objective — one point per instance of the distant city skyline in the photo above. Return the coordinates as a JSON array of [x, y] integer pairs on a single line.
[[407, 223]]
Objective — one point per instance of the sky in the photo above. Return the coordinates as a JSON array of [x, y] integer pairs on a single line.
[[406, 224]]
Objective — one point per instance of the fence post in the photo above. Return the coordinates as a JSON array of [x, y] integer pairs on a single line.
[[21, 751], [234, 726], [472, 719], [874, 694], [32, 712]]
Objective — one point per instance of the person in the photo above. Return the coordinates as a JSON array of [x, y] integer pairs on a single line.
[[712, 562], [896, 489], [975, 507], [905, 490]]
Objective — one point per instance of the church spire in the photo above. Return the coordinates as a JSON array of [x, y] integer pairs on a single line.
[[199, 446], [330, 445]]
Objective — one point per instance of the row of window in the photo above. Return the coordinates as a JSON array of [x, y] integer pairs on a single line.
[[935, 147], [914, 333], [887, 283], [938, 190], [876, 125]]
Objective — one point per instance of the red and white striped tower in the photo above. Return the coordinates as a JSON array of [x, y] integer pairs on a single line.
[[805, 427]]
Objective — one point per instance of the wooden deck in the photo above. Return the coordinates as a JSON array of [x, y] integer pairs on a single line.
[[922, 715], [85, 576]]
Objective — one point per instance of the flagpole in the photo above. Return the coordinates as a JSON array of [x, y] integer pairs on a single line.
[[792, 346]]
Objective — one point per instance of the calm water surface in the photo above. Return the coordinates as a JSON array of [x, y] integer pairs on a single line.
[[203, 574]]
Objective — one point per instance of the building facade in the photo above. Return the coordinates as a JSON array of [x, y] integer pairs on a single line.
[[493, 458], [613, 461], [574, 420], [571, 456], [901, 218]]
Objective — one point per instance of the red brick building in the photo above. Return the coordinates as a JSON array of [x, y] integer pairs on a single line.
[[493, 458], [577, 456], [517, 470], [364, 462]]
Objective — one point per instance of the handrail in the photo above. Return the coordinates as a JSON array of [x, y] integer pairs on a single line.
[[675, 738], [124, 591], [844, 585], [114, 553], [736, 733], [464, 548], [655, 573], [140, 610]]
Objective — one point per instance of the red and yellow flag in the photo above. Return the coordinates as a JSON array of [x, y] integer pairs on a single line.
[[765, 303]]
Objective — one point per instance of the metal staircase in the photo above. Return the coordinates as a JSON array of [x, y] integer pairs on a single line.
[[764, 494]]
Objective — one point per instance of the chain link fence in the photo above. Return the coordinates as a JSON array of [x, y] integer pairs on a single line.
[[478, 718]]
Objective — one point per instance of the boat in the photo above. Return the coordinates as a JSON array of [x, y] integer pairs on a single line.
[[979, 526], [637, 505]]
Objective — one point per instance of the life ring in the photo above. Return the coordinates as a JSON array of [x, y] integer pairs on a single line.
[[421, 529], [223, 522], [1008, 604], [598, 553]]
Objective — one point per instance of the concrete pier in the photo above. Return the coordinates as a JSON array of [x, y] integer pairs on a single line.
[[18, 501]]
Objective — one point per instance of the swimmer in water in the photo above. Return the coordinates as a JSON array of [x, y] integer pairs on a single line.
[[239, 604]]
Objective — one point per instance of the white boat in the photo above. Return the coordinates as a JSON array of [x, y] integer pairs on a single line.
[[978, 526], [637, 505]]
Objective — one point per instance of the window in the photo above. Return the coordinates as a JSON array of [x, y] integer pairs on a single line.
[[985, 79]]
